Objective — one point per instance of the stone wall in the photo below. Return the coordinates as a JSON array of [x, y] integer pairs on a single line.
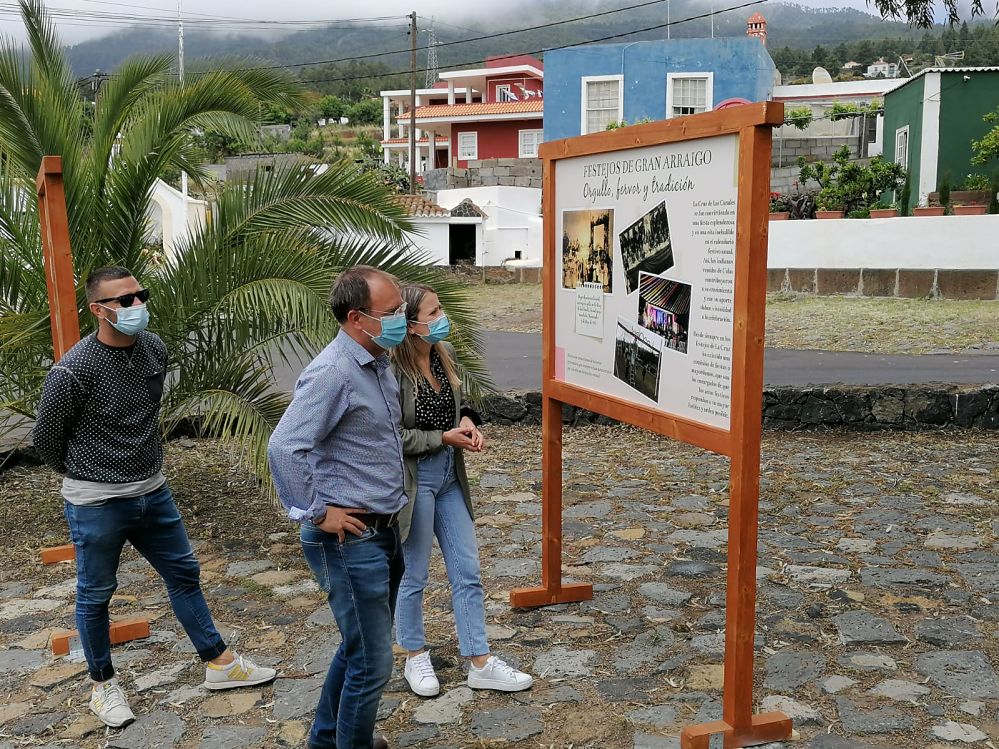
[[845, 408], [487, 173], [786, 152], [906, 283], [854, 409]]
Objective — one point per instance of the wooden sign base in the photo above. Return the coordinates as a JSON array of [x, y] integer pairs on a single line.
[[764, 728]]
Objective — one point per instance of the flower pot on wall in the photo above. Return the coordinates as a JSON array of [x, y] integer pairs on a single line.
[[884, 212], [830, 214], [970, 210], [929, 210], [780, 215]]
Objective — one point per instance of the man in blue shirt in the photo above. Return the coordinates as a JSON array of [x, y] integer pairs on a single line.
[[336, 458]]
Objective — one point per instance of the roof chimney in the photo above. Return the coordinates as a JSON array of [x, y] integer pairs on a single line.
[[756, 26]]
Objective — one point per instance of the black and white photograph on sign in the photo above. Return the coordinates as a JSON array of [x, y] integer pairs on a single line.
[[637, 354], [587, 248], [646, 246], [664, 309]]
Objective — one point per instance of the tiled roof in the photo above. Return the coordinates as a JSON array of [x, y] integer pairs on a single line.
[[473, 110], [417, 206]]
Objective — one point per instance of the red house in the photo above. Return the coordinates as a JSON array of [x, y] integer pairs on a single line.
[[495, 112]]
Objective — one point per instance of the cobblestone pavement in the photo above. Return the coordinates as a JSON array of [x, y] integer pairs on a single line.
[[877, 623]]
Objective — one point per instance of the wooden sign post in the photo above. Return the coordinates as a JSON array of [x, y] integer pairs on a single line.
[[58, 256], [670, 221]]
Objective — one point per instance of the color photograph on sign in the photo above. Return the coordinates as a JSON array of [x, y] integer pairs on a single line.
[[664, 309], [663, 338]]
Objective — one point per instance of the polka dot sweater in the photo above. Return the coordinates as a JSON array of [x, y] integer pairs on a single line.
[[98, 419]]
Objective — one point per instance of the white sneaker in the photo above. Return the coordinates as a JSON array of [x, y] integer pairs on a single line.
[[420, 674], [108, 703], [496, 674], [242, 672]]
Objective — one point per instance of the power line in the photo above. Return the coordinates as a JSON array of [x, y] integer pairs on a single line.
[[484, 37], [82, 17], [240, 18], [547, 49]]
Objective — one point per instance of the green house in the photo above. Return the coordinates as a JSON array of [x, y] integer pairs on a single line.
[[932, 119]]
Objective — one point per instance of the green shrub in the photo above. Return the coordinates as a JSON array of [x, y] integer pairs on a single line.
[[800, 117], [849, 185]]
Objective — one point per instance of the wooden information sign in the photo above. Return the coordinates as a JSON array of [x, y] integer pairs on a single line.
[[655, 277]]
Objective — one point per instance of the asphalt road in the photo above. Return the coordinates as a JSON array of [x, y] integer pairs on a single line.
[[515, 362]]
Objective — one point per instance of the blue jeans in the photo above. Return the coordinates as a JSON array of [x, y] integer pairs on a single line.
[[361, 578], [440, 510], [153, 526]]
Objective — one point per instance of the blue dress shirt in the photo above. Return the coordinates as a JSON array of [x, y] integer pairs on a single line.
[[339, 442]]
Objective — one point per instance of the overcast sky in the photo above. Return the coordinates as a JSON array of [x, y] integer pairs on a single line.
[[73, 28]]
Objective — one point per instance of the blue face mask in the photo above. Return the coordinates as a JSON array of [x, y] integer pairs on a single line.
[[438, 328], [130, 320], [393, 330]]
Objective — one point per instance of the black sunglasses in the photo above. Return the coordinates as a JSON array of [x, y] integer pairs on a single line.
[[125, 300]]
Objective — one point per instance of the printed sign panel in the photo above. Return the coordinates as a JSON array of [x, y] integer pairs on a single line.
[[653, 229]]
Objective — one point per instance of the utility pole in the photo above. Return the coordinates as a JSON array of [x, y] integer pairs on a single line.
[[180, 76], [412, 103], [668, 22]]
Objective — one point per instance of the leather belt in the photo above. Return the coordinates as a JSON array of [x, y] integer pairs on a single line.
[[374, 520]]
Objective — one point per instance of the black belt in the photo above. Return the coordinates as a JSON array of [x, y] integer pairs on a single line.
[[374, 520]]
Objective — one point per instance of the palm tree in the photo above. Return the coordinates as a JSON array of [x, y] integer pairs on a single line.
[[245, 289]]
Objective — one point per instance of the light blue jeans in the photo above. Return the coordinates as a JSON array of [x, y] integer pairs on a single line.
[[439, 510]]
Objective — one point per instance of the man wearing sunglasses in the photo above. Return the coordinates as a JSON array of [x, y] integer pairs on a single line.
[[98, 425], [336, 458]]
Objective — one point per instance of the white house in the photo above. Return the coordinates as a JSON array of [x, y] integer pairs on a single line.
[[820, 98], [881, 69], [512, 225], [446, 237]]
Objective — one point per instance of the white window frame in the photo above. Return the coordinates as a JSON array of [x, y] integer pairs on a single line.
[[899, 132], [463, 148], [508, 89], [524, 153], [583, 99], [709, 93]]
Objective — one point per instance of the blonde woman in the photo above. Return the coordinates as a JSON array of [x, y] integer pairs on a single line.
[[436, 431]]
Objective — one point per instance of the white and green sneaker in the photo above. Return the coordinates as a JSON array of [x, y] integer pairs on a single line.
[[242, 672], [107, 702]]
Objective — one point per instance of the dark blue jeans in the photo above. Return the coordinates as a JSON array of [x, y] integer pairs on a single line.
[[361, 578], [152, 524]]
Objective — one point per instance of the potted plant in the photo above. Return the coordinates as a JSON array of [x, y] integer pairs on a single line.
[[889, 212], [830, 204], [929, 210], [969, 209], [779, 210], [849, 186]]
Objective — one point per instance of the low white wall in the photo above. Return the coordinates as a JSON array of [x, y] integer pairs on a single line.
[[918, 243]]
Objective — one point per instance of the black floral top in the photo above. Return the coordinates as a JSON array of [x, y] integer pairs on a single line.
[[435, 410]]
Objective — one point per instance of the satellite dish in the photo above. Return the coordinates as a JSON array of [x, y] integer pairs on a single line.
[[821, 75]]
